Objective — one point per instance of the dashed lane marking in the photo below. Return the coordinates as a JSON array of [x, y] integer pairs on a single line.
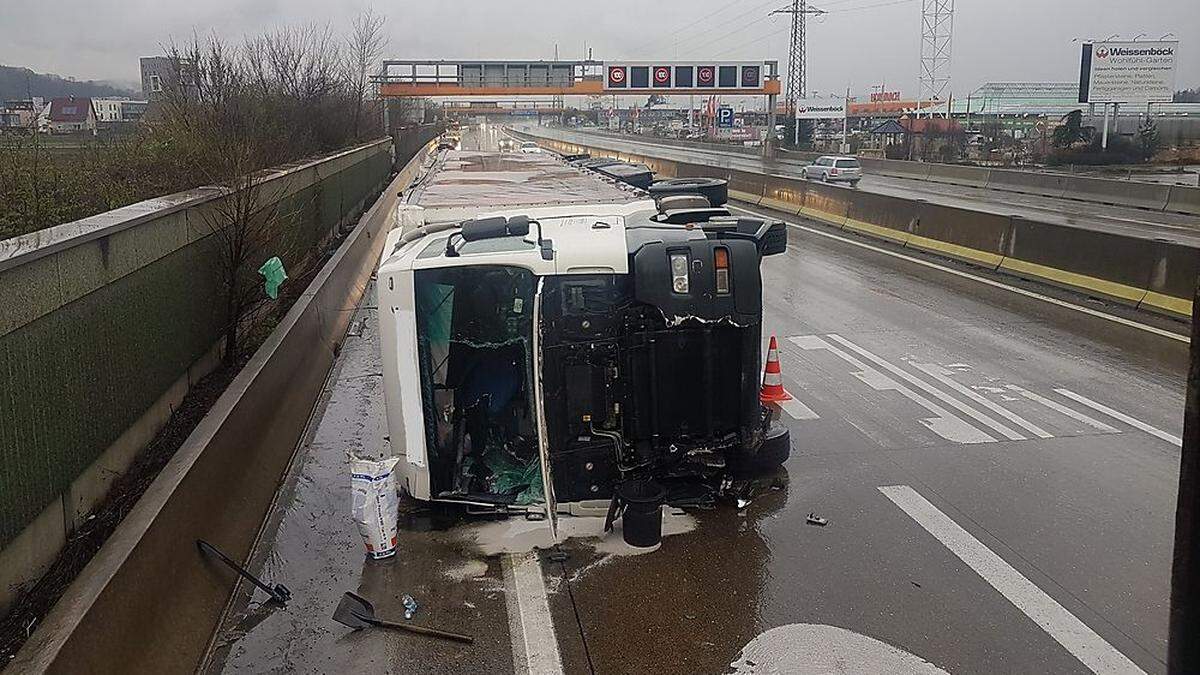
[[1082, 642]]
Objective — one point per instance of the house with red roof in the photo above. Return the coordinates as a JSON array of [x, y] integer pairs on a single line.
[[72, 115]]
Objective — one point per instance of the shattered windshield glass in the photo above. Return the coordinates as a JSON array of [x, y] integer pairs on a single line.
[[474, 333]]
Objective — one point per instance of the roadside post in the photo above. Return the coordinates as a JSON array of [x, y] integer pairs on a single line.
[[1183, 647]]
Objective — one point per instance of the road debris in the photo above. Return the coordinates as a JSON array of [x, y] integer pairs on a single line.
[[375, 505], [410, 606], [279, 593], [355, 611], [814, 519]]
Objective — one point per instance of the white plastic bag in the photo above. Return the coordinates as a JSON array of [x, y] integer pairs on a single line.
[[376, 504]]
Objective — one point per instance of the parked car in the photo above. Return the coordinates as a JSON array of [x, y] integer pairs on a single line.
[[529, 147], [834, 169]]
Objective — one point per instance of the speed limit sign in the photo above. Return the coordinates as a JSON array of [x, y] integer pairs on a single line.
[[662, 76]]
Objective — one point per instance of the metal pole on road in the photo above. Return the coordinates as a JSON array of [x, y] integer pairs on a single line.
[[1183, 645], [1104, 134]]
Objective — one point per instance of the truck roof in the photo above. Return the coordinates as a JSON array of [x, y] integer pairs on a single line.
[[463, 183]]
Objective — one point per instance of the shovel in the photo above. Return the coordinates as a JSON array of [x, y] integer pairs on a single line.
[[357, 612]]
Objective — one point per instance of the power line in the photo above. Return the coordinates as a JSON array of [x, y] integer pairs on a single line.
[[676, 32], [749, 13]]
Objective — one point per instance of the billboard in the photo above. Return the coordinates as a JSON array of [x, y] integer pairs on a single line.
[[1127, 72], [667, 78], [820, 108]]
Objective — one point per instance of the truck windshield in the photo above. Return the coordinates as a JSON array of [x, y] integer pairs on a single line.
[[474, 342]]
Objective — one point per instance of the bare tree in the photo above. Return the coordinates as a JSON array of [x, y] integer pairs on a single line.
[[364, 49]]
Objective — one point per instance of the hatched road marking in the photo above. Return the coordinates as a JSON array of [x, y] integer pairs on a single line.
[[943, 423], [798, 410], [1064, 410], [1117, 415], [1082, 642]]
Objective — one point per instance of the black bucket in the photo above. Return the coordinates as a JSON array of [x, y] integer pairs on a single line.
[[642, 518]]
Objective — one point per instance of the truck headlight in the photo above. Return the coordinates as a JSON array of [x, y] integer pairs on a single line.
[[679, 272]]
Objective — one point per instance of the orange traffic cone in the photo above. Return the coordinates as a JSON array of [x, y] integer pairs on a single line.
[[772, 383]]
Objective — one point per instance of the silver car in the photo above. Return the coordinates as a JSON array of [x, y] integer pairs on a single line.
[[834, 169]]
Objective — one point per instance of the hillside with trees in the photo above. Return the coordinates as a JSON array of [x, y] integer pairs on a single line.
[[17, 83]]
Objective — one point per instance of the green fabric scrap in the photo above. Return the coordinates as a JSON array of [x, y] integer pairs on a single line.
[[274, 274]]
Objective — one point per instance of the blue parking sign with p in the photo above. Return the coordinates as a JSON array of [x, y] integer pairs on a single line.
[[725, 116]]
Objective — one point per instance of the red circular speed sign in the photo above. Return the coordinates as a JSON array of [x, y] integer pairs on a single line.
[[662, 75], [705, 74], [616, 74]]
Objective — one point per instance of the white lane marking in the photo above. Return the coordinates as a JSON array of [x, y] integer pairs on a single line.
[[944, 423], [798, 410], [929, 388], [945, 377], [1116, 414], [983, 280], [531, 628], [1082, 642], [816, 649], [1064, 410]]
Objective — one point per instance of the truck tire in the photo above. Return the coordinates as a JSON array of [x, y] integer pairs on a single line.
[[774, 451], [715, 190]]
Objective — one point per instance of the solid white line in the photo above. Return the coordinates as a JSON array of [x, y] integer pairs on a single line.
[[798, 410], [938, 393], [1082, 642], [983, 280], [535, 647], [944, 423], [945, 377], [1135, 423], [1064, 410]]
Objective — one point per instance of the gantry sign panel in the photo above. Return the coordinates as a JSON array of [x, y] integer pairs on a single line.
[[588, 78], [744, 77]]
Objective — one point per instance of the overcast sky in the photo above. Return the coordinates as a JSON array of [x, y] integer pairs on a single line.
[[859, 43]]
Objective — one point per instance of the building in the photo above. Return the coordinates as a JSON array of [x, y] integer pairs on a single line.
[[22, 113], [118, 109], [107, 109], [72, 115], [132, 111], [160, 76]]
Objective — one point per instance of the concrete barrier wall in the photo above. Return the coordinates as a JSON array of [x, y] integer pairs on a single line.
[[1138, 271], [1028, 182], [1184, 199], [148, 586], [1151, 196], [104, 325]]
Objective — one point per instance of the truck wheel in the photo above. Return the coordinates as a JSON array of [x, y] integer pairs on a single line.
[[774, 451], [715, 190]]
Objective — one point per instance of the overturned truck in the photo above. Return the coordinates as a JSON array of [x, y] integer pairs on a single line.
[[548, 333]]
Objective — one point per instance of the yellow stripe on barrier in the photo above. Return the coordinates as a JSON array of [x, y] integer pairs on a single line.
[[991, 260], [1169, 303], [877, 230], [1084, 282], [823, 216], [745, 196], [780, 205]]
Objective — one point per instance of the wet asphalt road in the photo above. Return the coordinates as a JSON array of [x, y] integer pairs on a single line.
[[883, 353]]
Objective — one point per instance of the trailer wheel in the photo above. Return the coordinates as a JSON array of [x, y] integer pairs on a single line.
[[715, 190]]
